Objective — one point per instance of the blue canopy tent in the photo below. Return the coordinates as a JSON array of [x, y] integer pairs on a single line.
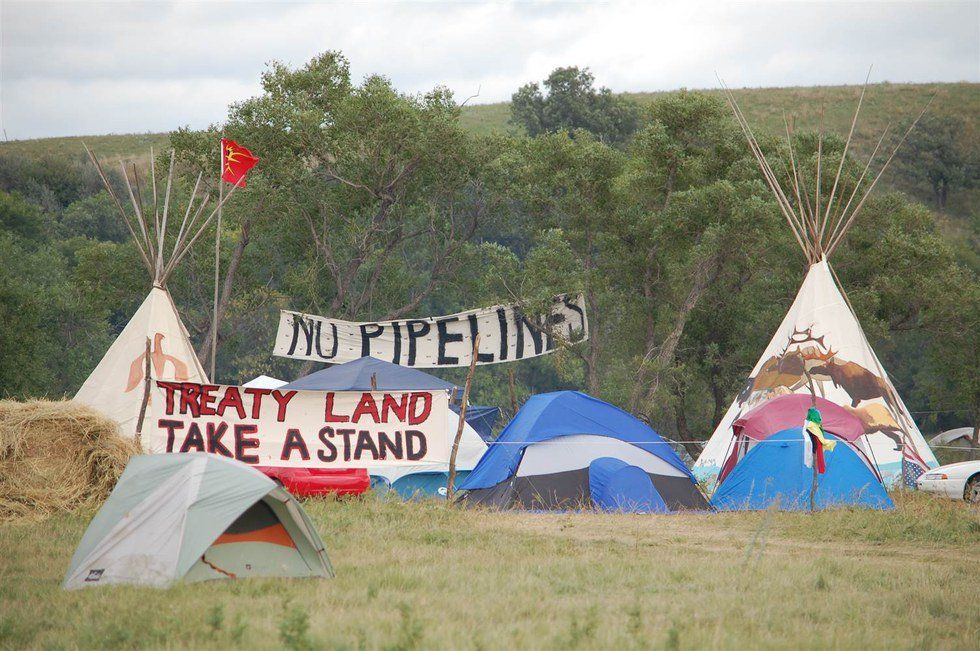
[[357, 376], [773, 472], [568, 450], [369, 373]]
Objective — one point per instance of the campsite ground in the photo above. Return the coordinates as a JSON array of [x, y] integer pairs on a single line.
[[426, 575]]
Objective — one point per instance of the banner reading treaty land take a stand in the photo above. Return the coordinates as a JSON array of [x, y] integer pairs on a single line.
[[309, 429]]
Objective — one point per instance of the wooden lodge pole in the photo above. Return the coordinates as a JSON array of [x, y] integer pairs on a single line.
[[146, 395], [450, 485]]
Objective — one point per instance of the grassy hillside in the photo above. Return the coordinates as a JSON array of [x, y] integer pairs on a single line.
[[424, 575], [127, 145], [764, 108]]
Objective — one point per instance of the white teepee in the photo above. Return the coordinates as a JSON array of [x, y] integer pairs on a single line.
[[155, 339], [820, 348]]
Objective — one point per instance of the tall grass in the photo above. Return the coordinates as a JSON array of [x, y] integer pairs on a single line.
[[424, 575]]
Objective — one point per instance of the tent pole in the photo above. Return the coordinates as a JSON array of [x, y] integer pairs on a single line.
[[450, 484]]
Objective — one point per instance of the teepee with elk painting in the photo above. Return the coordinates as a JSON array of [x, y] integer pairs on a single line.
[[155, 343], [820, 348]]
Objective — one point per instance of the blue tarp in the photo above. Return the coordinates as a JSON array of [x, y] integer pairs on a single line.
[[420, 485], [615, 485], [773, 472], [563, 413], [480, 418], [356, 376]]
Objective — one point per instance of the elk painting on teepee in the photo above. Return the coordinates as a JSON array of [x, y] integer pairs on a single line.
[[819, 348], [155, 343]]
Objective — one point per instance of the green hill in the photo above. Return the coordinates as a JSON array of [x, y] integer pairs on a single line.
[[805, 107], [764, 107]]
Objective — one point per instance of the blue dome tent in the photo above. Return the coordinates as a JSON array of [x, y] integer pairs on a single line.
[[773, 472], [568, 450]]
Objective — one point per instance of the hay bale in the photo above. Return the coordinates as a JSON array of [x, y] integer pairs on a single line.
[[56, 457]]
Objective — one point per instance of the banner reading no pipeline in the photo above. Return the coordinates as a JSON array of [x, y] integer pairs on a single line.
[[506, 334], [307, 429]]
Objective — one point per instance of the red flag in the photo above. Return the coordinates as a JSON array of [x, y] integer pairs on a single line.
[[236, 161]]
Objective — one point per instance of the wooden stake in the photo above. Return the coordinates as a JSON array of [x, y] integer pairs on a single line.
[[450, 485], [809, 441], [513, 393], [146, 395]]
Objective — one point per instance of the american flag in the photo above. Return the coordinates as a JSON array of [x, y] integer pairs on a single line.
[[912, 466]]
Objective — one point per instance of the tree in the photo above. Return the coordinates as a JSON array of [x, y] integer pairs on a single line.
[[375, 192], [936, 154], [572, 103]]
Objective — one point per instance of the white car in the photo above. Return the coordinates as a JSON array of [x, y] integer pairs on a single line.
[[960, 481]]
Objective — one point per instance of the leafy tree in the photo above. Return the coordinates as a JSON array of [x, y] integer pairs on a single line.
[[936, 154], [94, 217], [572, 103], [376, 193]]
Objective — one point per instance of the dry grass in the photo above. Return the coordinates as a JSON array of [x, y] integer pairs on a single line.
[[55, 457], [425, 575]]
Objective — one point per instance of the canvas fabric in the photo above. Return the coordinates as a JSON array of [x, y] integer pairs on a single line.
[[116, 386], [821, 334]]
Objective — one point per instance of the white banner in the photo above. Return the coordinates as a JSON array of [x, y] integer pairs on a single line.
[[304, 429], [506, 334]]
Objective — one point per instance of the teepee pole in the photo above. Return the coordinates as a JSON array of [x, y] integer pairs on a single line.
[[190, 204], [840, 166], [119, 207], [187, 247], [842, 215], [878, 177], [156, 204], [141, 213], [166, 211], [810, 252], [784, 204]]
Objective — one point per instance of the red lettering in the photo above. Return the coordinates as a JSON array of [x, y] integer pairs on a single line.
[[294, 441], [414, 416], [389, 405], [170, 388], [215, 432], [207, 399], [282, 399], [189, 395], [257, 400], [171, 427], [194, 439], [329, 416], [232, 398], [244, 443], [366, 405]]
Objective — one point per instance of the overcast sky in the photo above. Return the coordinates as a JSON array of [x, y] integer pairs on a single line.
[[78, 68]]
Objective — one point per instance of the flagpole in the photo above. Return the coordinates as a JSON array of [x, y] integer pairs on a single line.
[[217, 261]]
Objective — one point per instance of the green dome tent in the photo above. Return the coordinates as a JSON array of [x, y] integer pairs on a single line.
[[195, 517]]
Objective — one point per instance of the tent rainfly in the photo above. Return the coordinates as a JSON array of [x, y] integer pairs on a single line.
[[820, 348], [195, 517], [155, 343]]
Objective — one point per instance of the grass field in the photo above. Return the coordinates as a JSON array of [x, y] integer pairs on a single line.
[[424, 575]]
